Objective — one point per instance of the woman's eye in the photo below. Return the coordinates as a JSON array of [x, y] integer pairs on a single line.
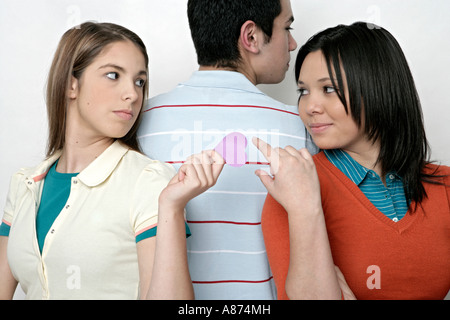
[[113, 75], [329, 89], [302, 92], [140, 83]]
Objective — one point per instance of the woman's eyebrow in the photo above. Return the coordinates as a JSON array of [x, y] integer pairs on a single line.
[[320, 80], [111, 65], [117, 67]]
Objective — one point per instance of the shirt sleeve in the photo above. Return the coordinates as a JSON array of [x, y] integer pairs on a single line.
[[8, 212], [4, 229], [151, 233], [153, 179]]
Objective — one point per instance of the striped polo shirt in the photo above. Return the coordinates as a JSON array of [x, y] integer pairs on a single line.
[[226, 251], [389, 199]]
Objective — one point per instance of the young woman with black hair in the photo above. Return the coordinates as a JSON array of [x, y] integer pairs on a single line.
[[368, 217]]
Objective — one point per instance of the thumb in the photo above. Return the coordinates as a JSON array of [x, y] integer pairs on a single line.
[[218, 163], [181, 174], [266, 179]]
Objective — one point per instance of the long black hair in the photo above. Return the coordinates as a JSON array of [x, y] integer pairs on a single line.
[[381, 89]]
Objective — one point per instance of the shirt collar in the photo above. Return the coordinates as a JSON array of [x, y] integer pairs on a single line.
[[222, 79], [352, 169], [102, 167], [345, 163], [96, 172]]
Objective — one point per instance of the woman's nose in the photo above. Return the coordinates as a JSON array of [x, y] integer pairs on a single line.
[[312, 105], [130, 92]]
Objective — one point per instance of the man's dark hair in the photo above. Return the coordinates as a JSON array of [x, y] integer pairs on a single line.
[[216, 24]]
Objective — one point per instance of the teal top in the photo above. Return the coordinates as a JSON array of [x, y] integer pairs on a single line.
[[55, 193]]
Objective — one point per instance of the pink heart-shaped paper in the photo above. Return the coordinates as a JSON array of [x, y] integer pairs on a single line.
[[232, 149]]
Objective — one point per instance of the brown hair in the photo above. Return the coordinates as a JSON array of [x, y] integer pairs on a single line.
[[77, 49]]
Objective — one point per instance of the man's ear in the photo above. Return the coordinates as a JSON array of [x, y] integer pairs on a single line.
[[72, 91], [251, 37]]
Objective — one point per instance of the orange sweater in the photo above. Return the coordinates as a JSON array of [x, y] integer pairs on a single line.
[[379, 258]]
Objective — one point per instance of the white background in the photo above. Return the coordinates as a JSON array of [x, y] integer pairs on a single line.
[[31, 29]]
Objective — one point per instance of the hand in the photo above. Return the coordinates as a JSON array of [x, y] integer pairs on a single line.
[[295, 184], [199, 173]]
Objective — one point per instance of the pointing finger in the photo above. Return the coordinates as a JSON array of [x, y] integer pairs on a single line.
[[264, 147]]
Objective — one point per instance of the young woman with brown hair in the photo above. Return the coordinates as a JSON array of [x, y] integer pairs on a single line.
[[82, 224]]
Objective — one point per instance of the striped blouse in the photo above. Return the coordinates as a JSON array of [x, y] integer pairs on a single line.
[[389, 199]]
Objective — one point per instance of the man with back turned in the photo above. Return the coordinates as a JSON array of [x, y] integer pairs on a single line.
[[239, 44]]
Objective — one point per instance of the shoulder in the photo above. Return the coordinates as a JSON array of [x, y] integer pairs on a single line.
[[441, 173], [144, 177], [36, 173], [144, 164], [437, 186], [151, 177], [22, 173], [332, 180], [437, 169], [149, 172], [160, 99], [20, 182], [120, 163], [323, 165], [18, 179], [319, 157], [179, 95]]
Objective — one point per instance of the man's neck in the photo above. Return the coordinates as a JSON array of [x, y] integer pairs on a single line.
[[249, 75]]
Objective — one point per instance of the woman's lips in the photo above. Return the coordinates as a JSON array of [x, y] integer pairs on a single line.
[[319, 127], [124, 114]]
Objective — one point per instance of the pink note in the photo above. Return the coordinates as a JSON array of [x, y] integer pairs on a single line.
[[232, 149]]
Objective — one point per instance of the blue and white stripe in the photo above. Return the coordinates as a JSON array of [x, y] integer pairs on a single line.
[[226, 252]]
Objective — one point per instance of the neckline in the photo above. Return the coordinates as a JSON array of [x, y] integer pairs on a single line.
[[60, 175], [222, 79], [399, 226]]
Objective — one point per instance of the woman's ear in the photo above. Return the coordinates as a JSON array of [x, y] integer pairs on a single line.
[[72, 91], [251, 37]]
